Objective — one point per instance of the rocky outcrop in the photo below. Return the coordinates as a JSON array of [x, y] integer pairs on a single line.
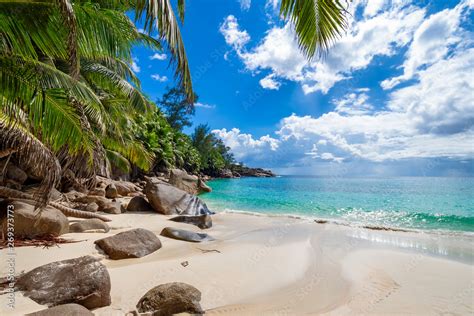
[[83, 281], [92, 224], [225, 173], [185, 235], [139, 204], [166, 199], [123, 187], [203, 187], [104, 205], [134, 243], [171, 298], [63, 310], [201, 221], [253, 172], [31, 223]]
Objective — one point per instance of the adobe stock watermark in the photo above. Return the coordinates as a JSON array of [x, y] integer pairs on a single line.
[[10, 257]]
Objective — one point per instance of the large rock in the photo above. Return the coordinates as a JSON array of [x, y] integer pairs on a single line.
[[171, 298], [113, 207], [83, 280], [184, 181], [139, 204], [63, 310], [31, 223], [13, 172], [123, 187], [185, 235], [203, 187], [169, 200], [90, 224], [134, 243], [201, 221]]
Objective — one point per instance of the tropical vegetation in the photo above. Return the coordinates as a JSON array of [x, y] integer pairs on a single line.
[[69, 100]]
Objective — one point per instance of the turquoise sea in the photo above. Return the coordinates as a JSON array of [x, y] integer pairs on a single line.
[[428, 203]]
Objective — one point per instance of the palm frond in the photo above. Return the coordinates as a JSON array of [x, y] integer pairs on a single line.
[[159, 15], [318, 23]]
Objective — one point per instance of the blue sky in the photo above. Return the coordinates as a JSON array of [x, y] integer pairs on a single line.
[[393, 96]]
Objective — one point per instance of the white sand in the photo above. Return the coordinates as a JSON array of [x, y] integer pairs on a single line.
[[281, 266]]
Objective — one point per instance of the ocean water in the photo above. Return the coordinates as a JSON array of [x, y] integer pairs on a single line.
[[427, 203]]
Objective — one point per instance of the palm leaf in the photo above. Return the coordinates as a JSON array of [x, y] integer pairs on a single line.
[[318, 23]]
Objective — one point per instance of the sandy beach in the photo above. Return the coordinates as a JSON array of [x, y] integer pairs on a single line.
[[261, 265]]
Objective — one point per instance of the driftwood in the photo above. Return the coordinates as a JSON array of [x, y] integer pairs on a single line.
[[11, 193]]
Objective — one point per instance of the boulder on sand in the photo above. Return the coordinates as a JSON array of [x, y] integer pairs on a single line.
[[139, 204], [185, 235], [171, 298], [186, 182], [134, 243], [201, 221], [31, 223], [90, 224], [169, 200], [63, 310], [82, 280], [14, 173]]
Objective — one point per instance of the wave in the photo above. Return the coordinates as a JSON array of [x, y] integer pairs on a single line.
[[365, 225]]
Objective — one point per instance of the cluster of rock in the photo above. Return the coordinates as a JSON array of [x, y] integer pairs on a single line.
[[241, 171], [75, 286]]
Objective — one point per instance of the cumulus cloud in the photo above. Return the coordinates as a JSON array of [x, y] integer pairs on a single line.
[[432, 118], [159, 78], [431, 42], [269, 83], [376, 34], [244, 144], [232, 34], [158, 56], [353, 104]]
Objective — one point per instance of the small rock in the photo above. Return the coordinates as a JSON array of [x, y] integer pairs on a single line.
[[111, 191], [31, 223], [63, 310], [83, 280], [134, 243], [91, 207], [89, 224], [201, 221], [203, 187], [139, 204], [185, 235], [171, 298], [97, 192], [113, 207]]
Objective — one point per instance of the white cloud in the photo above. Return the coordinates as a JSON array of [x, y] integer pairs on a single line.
[[204, 105], [432, 118], [158, 56], [244, 144], [233, 36], [245, 4], [367, 38], [269, 83], [134, 65], [373, 7], [159, 78], [353, 104], [431, 42]]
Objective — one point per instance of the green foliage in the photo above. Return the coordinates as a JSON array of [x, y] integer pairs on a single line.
[[177, 108], [214, 154]]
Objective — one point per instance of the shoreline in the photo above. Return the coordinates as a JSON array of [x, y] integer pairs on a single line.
[[280, 265]]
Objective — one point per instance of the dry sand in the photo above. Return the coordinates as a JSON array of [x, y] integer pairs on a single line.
[[281, 266]]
